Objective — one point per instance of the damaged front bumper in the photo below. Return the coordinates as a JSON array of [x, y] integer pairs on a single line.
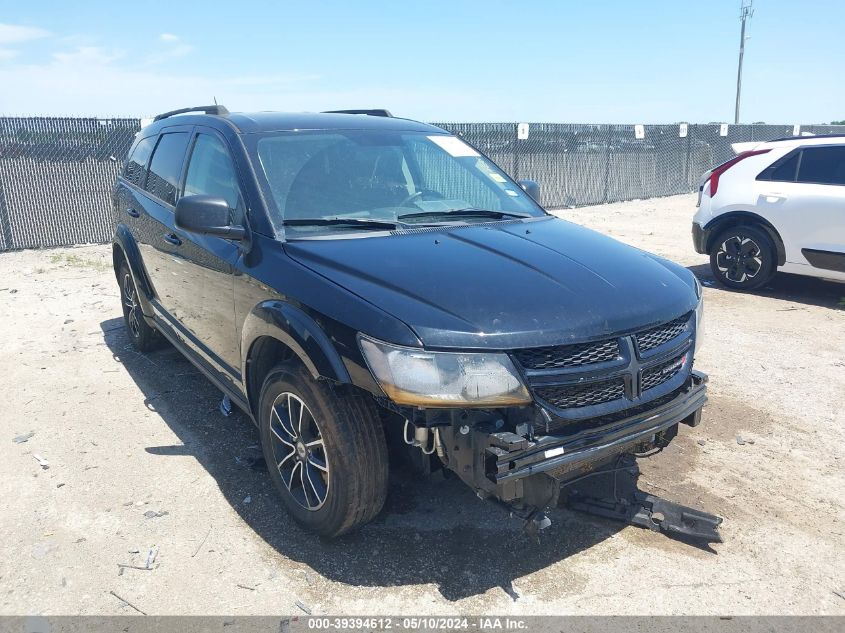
[[529, 472], [510, 458]]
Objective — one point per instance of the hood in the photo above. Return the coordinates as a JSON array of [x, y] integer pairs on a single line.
[[505, 285]]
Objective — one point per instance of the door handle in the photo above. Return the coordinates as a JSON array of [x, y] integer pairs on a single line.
[[132, 213], [172, 238]]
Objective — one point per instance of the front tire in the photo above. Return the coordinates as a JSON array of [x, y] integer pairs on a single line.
[[325, 449], [743, 258]]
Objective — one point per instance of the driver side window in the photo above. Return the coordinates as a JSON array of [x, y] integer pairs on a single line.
[[212, 173]]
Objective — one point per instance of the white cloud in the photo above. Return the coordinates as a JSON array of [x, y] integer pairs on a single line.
[[14, 33], [7, 54], [174, 48], [87, 56], [92, 81]]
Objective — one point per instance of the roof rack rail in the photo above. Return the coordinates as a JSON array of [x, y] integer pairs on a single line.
[[802, 137], [374, 112], [219, 110]]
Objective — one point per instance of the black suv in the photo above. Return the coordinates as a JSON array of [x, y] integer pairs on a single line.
[[354, 281]]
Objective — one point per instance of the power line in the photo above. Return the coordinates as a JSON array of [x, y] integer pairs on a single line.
[[745, 11]]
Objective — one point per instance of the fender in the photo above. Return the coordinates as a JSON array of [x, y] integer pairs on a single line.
[[124, 241], [296, 329], [745, 217]]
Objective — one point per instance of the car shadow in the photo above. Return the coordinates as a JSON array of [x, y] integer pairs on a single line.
[[430, 531], [810, 291]]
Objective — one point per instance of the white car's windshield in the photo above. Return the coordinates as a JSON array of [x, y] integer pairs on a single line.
[[356, 179]]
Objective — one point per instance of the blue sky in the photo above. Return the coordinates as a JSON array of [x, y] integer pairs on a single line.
[[461, 60]]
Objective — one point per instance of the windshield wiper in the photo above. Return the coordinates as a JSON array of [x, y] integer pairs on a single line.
[[359, 223], [468, 211]]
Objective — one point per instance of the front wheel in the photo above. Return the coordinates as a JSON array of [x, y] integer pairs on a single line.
[[743, 258], [325, 450]]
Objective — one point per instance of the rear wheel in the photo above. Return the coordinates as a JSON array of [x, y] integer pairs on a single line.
[[743, 258], [325, 450], [142, 335]]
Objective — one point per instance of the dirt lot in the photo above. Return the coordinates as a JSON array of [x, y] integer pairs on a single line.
[[140, 459]]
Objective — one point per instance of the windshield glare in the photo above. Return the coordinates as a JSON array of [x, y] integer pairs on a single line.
[[400, 177]]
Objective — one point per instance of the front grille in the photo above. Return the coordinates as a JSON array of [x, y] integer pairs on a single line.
[[576, 426], [564, 356], [656, 336], [655, 376], [582, 394]]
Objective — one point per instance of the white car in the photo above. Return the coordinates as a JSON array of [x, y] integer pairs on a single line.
[[777, 205]]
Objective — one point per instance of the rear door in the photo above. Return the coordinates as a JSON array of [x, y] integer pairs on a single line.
[[803, 195], [129, 191], [157, 236]]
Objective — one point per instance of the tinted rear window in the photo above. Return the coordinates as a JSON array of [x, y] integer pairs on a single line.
[[822, 165], [782, 170], [166, 166], [136, 167]]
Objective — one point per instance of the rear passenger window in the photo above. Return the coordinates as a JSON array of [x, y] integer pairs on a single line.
[[136, 167], [211, 173], [166, 166], [822, 165], [782, 170]]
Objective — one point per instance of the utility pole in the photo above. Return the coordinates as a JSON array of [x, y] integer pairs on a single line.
[[745, 12]]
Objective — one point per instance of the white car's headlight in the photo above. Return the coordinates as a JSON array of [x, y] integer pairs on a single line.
[[417, 377]]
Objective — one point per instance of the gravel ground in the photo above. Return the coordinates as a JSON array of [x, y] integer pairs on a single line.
[[141, 460]]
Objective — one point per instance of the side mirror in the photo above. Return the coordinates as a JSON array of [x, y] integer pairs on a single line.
[[532, 188], [207, 215]]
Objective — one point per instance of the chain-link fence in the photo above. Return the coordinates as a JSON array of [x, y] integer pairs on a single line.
[[56, 174], [578, 165]]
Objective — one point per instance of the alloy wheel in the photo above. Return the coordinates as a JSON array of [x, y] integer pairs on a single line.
[[130, 300], [299, 453], [739, 258]]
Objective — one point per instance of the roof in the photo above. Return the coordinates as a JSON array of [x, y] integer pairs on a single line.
[[821, 139], [255, 122]]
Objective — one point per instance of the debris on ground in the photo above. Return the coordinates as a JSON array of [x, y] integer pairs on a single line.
[[202, 542], [743, 440], [151, 556], [248, 499], [226, 406], [41, 461], [303, 606], [152, 514], [127, 603], [245, 587], [59, 485], [126, 566], [20, 439]]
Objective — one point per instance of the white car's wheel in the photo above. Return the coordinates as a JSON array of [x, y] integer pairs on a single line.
[[743, 258]]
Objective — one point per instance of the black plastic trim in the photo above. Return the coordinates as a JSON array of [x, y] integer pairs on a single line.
[[826, 260]]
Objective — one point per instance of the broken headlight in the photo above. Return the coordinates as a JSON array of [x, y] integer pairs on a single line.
[[417, 377]]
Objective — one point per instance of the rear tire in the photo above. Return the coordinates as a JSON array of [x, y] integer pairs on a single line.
[[325, 449], [743, 258], [144, 337]]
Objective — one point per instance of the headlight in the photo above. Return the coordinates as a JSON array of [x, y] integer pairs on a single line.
[[440, 379]]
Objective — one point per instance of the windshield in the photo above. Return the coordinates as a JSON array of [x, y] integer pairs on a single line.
[[377, 179]]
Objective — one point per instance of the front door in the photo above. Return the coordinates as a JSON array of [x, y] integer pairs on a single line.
[[803, 196], [207, 310]]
